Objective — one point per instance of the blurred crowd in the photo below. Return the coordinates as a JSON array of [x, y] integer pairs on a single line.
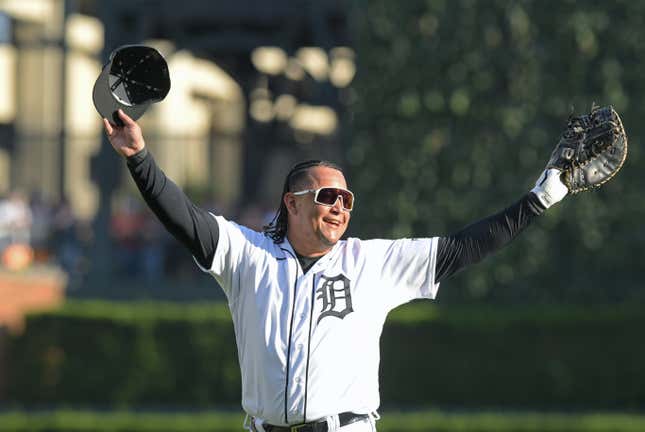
[[43, 230], [34, 231]]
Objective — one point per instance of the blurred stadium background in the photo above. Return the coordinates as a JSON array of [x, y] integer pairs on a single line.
[[442, 112]]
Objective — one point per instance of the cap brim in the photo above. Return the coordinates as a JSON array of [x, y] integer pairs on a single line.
[[107, 105]]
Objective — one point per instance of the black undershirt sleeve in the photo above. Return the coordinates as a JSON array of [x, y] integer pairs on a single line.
[[471, 244], [194, 227]]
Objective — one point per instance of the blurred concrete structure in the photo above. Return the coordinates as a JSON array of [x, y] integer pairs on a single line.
[[49, 63], [24, 293], [255, 86]]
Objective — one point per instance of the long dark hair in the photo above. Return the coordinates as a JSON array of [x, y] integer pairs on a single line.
[[277, 228]]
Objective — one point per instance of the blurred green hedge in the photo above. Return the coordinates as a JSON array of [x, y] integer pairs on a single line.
[[436, 421], [133, 355], [126, 354]]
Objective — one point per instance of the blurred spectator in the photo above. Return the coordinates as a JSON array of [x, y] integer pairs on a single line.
[[15, 219], [142, 248], [252, 216], [41, 227], [126, 227], [63, 239], [154, 246]]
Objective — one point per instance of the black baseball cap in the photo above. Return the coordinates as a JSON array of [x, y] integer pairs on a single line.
[[135, 77]]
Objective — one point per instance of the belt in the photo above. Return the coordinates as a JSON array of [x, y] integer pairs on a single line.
[[317, 426]]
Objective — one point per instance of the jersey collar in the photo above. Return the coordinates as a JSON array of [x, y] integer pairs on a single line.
[[285, 245]]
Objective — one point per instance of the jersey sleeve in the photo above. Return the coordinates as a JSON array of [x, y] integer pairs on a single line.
[[234, 251], [407, 269]]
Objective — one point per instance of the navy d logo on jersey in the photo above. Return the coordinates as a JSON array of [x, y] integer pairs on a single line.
[[336, 297]]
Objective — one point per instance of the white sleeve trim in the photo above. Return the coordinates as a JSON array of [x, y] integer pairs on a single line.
[[431, 287], [205, 270]]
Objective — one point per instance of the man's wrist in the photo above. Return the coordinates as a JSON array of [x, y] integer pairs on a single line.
[[137, 158], [535, 204]]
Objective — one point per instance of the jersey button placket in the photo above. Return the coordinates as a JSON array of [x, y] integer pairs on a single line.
[[298, 357]]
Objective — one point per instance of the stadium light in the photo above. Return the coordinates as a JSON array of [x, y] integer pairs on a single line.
[[343, 68], [315, 61], [269, 60]]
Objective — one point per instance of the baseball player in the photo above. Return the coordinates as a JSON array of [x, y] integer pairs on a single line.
[[308, 308]]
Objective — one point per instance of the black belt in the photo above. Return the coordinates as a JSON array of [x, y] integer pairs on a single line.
[[317, 426]]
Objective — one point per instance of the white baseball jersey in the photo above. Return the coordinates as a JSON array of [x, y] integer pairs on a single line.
[[308, 344]]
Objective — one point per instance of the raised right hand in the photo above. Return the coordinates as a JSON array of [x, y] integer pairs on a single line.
[[127, 140]]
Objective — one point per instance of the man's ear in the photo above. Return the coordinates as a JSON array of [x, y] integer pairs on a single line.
[[290, 202]]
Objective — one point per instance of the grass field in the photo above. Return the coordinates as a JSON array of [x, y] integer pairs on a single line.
[[430, 421]]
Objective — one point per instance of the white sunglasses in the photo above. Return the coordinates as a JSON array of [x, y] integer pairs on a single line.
[[328, 196]]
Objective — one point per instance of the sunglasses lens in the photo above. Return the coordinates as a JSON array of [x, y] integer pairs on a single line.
[[348, 199], [328, 196]]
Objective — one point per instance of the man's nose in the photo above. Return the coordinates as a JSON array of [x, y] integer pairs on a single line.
[[338, 204]]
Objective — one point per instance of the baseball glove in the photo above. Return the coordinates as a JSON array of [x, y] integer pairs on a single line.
[[591, 150]]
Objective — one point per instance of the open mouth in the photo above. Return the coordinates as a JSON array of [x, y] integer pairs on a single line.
[[333, 223]]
